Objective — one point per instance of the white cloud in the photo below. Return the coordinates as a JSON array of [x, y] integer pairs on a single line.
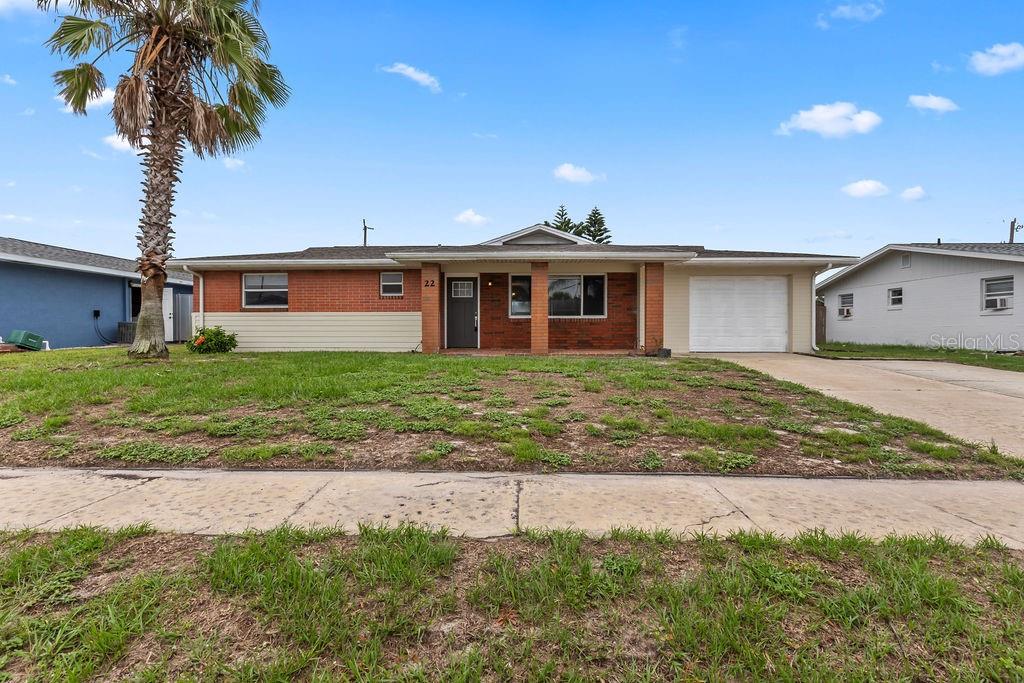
[[865, 188], [485, 136], [7, 79], [233, 164], [10, 6], [932, 103], [939, 68], [118, 143], [416, 75], [104, 99], [572, 173], [913, 194], [858, 11], [851, 11], [10, 183], [998, 59], [28, 112], [471, 217], [677, 37], [15, 218], [830, 236], [836, 120]]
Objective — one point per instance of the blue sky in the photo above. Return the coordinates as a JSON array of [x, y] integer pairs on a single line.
[[742, 125]]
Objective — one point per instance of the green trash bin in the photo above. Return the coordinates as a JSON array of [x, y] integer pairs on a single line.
[[26, 340]]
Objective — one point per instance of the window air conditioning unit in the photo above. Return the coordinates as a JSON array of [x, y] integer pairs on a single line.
[[1002, 303], [845, 312]]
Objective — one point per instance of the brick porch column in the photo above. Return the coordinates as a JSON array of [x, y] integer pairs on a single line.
[[430, 306], [654, 306], [539, 307]]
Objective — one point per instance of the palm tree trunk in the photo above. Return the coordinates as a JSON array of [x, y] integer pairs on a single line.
[[163, 166]]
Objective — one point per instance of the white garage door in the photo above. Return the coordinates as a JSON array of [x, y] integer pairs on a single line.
[[739, 314]]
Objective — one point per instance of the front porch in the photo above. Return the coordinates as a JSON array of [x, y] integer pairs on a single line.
[[590, 307]]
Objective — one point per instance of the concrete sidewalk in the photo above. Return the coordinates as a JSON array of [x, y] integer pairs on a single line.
[[491, 504]]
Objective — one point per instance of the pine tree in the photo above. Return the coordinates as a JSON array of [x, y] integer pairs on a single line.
[[562, 221], [594, 228]]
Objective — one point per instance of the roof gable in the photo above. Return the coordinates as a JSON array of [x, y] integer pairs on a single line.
[[537, 234], [998, 251]]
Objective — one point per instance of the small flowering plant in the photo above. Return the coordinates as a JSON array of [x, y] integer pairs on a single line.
[[211, 340]]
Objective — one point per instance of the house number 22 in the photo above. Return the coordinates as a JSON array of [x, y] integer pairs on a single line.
[[428, 283]]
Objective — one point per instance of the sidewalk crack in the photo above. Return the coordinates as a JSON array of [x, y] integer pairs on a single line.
[[98, 500], [971, 521], [303, 503], [736, 507]]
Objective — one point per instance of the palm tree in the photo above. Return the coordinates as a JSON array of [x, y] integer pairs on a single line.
[[198, 78]]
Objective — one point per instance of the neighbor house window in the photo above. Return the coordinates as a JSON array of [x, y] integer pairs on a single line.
[[574, 296], [519, 296], [904, 260], [392, 284], [845, 306], [997, 293], [265, 290], [896, 297]]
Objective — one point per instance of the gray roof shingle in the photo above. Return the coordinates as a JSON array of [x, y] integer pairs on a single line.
[[999, 248], [48, 252]]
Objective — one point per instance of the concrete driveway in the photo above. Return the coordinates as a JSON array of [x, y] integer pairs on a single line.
[[976, 404]]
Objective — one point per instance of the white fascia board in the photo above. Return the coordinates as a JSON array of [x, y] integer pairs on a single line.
[[754, 261], [442, 257], [501, 239], [241, 264], [79, 267]]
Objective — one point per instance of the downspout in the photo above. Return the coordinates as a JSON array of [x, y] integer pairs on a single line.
[[814, 306], [202, 294]]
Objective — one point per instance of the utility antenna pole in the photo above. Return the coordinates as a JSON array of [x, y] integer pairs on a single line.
[[1014, 228], [365, 229]]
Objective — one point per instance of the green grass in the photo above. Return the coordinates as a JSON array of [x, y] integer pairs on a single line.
[[408, 604], [987, 359], [151, 451], [721, 461], [388, 411]]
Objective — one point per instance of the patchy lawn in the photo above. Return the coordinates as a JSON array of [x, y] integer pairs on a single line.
[[412, 411], [413, 605], [986, 359]]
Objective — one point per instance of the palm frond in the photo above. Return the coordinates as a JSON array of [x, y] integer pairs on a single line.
[[80, 84], [133, 107], [77, 36]]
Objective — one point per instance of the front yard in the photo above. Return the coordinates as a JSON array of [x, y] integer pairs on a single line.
[[985, 359], [410, 411], [411, 605]]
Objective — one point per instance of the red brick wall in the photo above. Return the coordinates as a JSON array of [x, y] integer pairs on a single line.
[[431, 286], [615, 332], [315, 291], [654, 307]]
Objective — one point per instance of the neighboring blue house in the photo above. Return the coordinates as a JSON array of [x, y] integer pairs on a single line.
[[57, 292]]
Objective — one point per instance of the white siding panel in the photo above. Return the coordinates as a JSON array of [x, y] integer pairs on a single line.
[[941, 304], [322, 331], [677, 309]]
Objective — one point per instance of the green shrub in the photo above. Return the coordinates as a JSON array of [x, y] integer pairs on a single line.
[[212, 340]]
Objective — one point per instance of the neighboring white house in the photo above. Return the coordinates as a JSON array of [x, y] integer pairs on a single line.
[[958, 295]]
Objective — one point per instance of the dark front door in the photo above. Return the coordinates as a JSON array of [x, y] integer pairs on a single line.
[[461, 308]]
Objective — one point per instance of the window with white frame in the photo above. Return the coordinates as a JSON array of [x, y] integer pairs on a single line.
[[392, 284], [519, 296], [569, 296], [904, 260], [845, 309], [265, 290], [997, 293], [896, 297], [462, 289]]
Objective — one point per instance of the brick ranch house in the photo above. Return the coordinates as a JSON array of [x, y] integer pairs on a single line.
[[596, 297]]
